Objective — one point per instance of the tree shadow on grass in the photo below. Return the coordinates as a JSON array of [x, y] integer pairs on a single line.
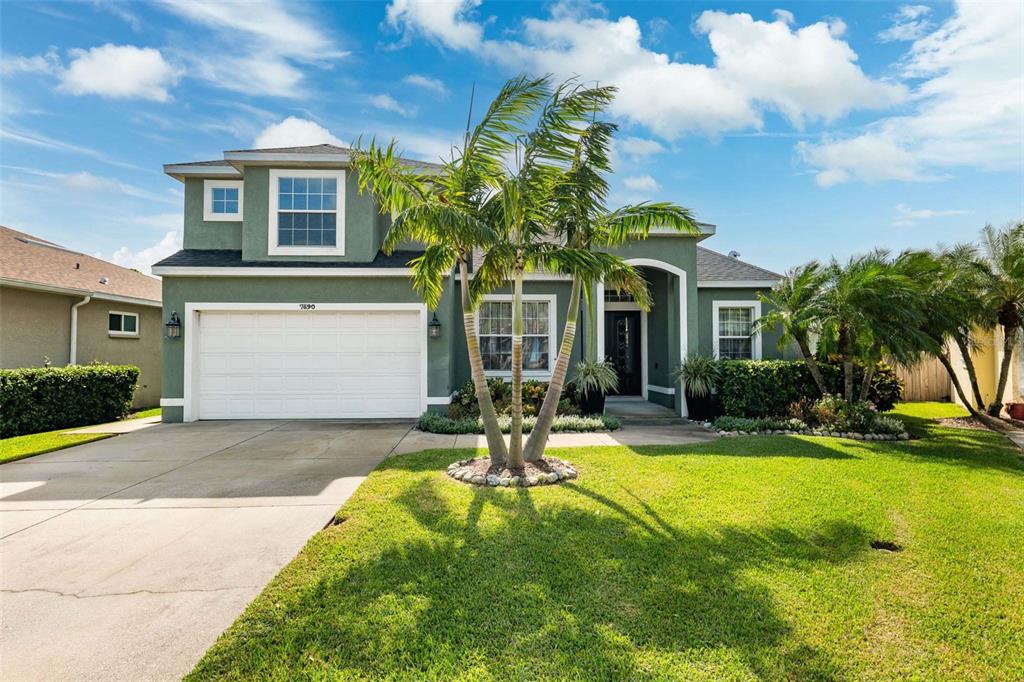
[[517, 584]]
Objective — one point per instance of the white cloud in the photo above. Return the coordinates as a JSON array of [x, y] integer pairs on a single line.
[[262, 40], [427, 83], [805, 74], [641, 183], [637, 148], [909, 23], [833, 176], [294, 132], [969, 109], [909, 216], [389, 103], [119, 71], [784, 15], [35, 139], [83, 181], [143, 259], [49, 63]]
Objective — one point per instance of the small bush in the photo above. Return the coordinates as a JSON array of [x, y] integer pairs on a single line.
[[38, 399], [830, 413], [464, 404], [433, 422], [835, 414], [762, 424]]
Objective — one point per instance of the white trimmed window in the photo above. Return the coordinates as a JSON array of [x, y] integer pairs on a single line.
[[733, 330], [222, 200], [494, 323], [122, 324], [307, 215]]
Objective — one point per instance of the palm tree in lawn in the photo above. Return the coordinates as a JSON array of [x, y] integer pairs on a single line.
[[794, 306], [1002, 252], [444, 209], [584, 229]]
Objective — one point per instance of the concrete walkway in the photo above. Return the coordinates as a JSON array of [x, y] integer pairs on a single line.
[[123, 426], [124, 559]]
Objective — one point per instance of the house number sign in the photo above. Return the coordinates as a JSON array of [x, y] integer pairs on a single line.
[[307, 306]]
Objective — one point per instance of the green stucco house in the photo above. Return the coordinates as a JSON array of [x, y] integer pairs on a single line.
[[289, 309]]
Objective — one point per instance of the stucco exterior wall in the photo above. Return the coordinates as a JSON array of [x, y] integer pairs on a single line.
[[987, 359], [96, 345], [34, 327], [705, 322], [208, 234]]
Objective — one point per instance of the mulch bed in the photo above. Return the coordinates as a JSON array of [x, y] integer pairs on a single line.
[[962, 423], [480, 471]]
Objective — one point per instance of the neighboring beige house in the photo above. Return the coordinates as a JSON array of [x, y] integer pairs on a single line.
[[62, 307], [988, 358]]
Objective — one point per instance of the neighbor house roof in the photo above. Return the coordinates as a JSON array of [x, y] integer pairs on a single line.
[[716, 268], [33, 262]]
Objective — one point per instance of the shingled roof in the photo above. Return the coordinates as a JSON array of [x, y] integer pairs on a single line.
[[310, 149], [716, 267], [26, 259]]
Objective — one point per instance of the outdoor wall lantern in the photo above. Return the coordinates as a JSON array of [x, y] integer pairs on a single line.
[[174, 326], [435, 327]]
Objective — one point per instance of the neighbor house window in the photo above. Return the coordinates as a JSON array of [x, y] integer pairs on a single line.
[[495, 325], [733, 327], [308, 212], [222, 200], [122, 324]]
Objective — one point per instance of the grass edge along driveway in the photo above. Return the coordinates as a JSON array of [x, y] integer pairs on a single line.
[[742, 558], [31, 444]]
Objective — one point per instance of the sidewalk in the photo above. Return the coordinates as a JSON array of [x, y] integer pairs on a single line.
[[124, 426]]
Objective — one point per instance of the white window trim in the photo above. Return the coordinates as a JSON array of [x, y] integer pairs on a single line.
[[755, 339], [273, 249], [552, 301], [209, 186], [127, 335]]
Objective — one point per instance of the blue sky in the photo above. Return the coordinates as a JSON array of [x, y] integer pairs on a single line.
[[803, 130]]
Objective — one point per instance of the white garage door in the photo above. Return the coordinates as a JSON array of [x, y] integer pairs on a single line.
[[309, 364]]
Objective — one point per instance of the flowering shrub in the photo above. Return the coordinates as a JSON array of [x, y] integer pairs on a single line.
[[464, 405]]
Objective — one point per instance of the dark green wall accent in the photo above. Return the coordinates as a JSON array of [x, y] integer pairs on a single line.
[[202, 234], [179, 290], [707, 296], [361, 241]]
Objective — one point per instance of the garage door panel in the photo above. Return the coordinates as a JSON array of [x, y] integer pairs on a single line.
[[310, 364]]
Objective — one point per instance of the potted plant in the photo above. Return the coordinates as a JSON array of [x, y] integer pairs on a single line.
[[699, 374], [593, 381], [1015, 410]]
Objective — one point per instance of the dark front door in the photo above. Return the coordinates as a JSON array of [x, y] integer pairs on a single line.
[[622, 346]]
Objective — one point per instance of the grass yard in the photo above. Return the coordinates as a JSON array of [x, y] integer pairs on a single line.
[[744, 558], [20, 447]]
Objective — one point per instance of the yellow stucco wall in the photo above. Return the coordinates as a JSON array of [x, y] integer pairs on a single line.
[[987, 360], [36, 326]]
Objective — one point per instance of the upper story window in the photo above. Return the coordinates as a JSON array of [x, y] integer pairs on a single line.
[[307, 212], [733, 330], [222, 200], [122, 324], [495, 327]]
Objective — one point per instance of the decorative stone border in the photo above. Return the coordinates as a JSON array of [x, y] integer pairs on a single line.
[[849, 435], [465, 472]]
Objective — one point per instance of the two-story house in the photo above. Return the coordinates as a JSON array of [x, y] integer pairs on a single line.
[[289, 309]]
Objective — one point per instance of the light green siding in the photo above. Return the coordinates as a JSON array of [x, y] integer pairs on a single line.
[[705, 305], [181, 290], [362, 239], [223, 235]]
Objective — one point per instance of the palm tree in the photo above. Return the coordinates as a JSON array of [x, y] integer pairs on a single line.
[[445, 210], [1002, 253], [794, 308]]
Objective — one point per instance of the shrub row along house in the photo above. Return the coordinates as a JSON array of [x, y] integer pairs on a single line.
[[60, 307], [289, 309]]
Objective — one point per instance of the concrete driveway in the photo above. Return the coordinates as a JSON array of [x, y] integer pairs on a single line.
[[127, 557]]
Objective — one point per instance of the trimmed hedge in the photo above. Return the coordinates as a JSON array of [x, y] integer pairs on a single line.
[[766, 388], [35, 399]]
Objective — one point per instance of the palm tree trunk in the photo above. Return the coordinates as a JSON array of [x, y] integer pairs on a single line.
[[980, 416], [515, 445], [495, 441], [539, 436], [812, 365], [1009, 340], [972, 375], [869, 375]]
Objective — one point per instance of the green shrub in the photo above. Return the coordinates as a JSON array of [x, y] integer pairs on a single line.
[[464, 405], [434, 422], [761, 424], [767, 388], [38, 399], [835, 414], [830, 413]]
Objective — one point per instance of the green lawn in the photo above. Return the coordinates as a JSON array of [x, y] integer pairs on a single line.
[[744, 558], [21, 447]]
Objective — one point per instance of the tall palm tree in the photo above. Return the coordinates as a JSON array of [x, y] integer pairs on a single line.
[[446, 211], [794, 306], [1002, 252]]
